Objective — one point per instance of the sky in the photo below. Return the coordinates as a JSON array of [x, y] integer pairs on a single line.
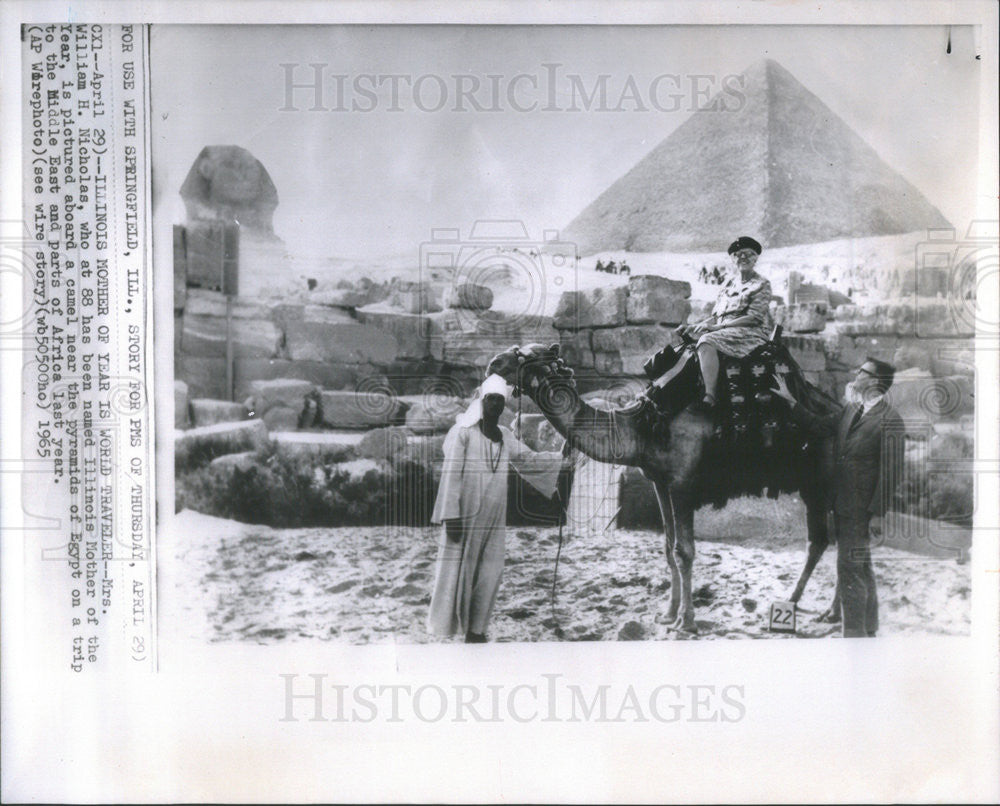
[[371, 173]]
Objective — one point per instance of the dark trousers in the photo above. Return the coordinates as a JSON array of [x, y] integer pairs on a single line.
[[855, 577]]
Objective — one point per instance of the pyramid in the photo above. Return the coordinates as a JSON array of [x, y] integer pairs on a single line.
[[781, 167]]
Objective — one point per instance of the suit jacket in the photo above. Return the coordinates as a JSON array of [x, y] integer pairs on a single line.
[[868, 459]]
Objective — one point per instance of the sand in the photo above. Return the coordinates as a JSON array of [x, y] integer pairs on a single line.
[[223, 581]]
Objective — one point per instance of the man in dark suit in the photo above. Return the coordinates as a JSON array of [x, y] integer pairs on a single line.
[[868, 463]]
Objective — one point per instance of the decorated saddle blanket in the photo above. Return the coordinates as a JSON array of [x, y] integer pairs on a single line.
[[754, 433], [745, 403]]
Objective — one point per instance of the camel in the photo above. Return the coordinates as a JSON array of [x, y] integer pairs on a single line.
[[674, 455]]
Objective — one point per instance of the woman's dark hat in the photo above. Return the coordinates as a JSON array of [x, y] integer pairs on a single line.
[[744, 242]]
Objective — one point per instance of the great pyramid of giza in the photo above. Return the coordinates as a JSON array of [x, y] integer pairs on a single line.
[[782, 167]]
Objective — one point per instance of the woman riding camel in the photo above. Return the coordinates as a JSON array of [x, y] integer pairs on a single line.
[[740, 321]]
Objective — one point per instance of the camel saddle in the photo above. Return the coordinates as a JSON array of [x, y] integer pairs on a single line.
[[747, 414]]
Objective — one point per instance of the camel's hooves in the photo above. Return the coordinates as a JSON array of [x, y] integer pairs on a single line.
[[685, 627]]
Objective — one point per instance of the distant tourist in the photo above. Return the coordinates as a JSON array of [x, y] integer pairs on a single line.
[[740, 321], [472, 505], [599, 266], [868, 463]]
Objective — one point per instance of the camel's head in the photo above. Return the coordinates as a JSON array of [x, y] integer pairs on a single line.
[[527, 369]]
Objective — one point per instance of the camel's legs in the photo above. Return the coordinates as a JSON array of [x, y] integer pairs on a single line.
[[667, 516], [818, 541], [684, 552]]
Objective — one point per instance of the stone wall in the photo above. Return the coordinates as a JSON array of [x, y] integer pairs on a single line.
[[400, 347], [375, 385]]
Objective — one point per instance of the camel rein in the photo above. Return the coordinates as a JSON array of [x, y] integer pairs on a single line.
[[562, 510], [618, 443]]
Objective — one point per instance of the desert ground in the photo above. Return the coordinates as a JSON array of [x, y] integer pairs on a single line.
[[223, 581]]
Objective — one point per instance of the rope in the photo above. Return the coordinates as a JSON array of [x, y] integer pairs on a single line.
[[555, 573], [617, 443]]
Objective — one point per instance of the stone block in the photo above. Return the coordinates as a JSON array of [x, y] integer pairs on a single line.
[[349, 297], [412, 332], [469, 295], [414, 297], [282, 418], [875, 319], [808, 351], [205, 302], [280, 402], [182, 417], [577, 348], [282, 313], [362, 409], [953, 360], [518, 327], [432, 414], [804, 317], [328, 334], [657, 300], [917, 395], [608, 363], [287, 392], [205, 377], [384, 444], [206, 336], [944, 319], [318, 373], [249, 435], [597, 307], [632, 345], [473, 349], [428, 377], [205, 411], [451, 319], [846, 352], [328, 446], [230, 461], [913, 355]]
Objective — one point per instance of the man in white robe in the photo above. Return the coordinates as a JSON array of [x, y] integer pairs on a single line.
[[472, 505]]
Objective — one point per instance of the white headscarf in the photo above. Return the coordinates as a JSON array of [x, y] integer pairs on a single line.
[[493, 385]]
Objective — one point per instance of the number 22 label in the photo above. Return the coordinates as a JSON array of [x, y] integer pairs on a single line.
[[782, 617]]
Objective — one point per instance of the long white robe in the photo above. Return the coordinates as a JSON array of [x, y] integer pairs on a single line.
[[467, 574]]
